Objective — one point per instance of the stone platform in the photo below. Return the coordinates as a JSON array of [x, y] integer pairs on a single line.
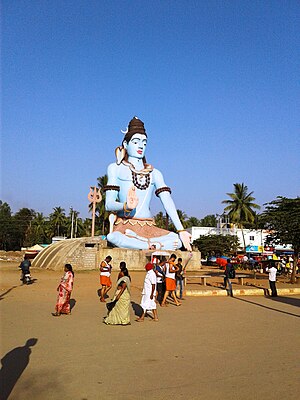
[[87, 253]]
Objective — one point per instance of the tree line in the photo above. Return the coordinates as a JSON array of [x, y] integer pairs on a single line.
[[28, 227]]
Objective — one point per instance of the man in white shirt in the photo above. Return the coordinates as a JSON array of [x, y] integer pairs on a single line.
[[272, 270], [148, 295]]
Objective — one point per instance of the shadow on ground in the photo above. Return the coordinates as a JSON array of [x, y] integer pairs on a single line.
[[269, 308], [13, 365], [138, 311], [5, 293], [286, 300], [72, 303]]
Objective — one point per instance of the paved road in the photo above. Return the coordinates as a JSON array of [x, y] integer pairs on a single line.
[[210, 348]]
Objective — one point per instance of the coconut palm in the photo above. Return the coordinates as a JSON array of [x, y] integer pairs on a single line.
[[38, 228], [160, 220], [183, 217], [58, 218], [192, 221], [240, 207]]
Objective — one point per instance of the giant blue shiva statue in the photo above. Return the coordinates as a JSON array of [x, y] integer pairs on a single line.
[[131, 183]]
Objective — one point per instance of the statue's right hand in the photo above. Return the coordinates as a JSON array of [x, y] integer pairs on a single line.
[[132, 199], [186, 239]]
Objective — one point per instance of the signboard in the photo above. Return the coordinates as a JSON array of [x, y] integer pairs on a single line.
[[255, 249]]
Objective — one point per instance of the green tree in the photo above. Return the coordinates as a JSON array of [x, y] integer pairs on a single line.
[[216, 245], [38, 230], [209, 220], [5, 226], [160, 220], [164, 222], [79, 229], [87, 227], [58, 220], [21, 227], [282, 218], [192, 221], [183, 219], [240, 207]]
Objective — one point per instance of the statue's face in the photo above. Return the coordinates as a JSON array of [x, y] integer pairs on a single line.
[[136, 146]]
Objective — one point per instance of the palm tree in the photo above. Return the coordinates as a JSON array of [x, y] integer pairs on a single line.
[[160, 220], [183, 217], [38, 227], [58, 218], [209, 220], [87, 227], [192, 221], [240, 207]]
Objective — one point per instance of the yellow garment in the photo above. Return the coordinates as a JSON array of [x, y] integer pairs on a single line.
[[120, 314]]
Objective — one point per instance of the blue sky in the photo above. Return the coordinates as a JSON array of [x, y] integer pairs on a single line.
[[215, 82]]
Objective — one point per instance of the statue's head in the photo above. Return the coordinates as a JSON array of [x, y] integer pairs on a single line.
[[134, 142], [136, 146]]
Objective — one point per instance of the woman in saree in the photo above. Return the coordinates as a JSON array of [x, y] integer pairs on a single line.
[[64, 292], [120, 313]]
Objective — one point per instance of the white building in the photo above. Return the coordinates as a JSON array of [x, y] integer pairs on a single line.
[[254, 239]]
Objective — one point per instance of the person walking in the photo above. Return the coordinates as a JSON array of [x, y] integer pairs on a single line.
[[170, 270], [160, 281], [120, 311], [123, 269], [272, 270], [148, 295], [179, 278], [105, 281], [64, 292], [229, 274]]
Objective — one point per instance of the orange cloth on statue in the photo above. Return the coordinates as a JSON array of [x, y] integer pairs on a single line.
[[105, 281], [170, 284]]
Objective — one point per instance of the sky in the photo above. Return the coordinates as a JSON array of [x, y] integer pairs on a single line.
[[216, 83]]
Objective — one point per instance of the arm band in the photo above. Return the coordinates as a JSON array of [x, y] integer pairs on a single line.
[[111, 187], [163, 189]]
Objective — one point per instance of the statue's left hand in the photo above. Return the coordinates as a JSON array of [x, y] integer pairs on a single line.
[[132, 199], [186, 237]]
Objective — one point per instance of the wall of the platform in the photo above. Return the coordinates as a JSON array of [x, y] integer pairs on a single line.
[[87, 253], [137, 259]]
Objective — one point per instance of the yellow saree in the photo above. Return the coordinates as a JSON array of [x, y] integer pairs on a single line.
[[120, 314]]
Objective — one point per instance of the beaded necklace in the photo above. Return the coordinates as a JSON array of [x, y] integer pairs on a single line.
[[141, 179]]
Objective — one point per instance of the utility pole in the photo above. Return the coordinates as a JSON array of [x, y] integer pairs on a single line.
[[76, 227], [72, 218]]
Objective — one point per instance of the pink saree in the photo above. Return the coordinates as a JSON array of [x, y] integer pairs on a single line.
[[64, 293]]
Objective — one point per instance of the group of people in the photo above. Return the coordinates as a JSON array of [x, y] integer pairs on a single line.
[[286, 264], [163, 281], [272, 269], [160, 284]]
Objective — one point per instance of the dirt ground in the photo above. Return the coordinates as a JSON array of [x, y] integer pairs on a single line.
[[210, 348]]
